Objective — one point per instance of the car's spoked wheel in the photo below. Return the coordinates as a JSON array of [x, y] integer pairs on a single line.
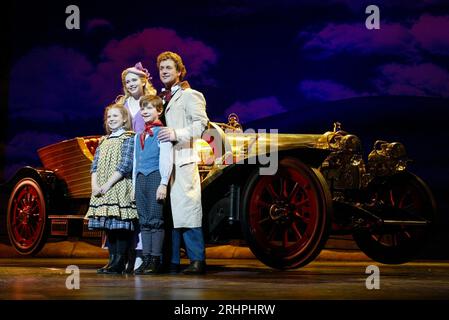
[[286, 216], [403, 197], [26, 217]]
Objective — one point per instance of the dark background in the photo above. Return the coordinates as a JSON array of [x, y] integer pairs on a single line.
[[297, 66]]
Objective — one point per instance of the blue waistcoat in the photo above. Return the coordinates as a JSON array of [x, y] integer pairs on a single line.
[[147, 160]]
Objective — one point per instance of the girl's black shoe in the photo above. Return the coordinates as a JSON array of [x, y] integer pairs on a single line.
[[118, 265], [104, 268]]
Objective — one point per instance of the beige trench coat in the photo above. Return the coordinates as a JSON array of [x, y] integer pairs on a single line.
[[186, 113]]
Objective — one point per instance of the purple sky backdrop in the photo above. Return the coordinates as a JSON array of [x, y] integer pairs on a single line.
[[432, 33], [145, 46], [256, 109], [413, 43], [326, 90], [424, 79], [354, 39], [95, 24], [66, 86], [63, 74], [429, 33], [253, 58]]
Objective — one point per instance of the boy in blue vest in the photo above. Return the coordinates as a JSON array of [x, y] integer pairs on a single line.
[[153, 162]]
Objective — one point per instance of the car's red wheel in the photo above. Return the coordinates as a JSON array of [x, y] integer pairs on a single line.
[[26, 217], [286, 216], [402, 197]]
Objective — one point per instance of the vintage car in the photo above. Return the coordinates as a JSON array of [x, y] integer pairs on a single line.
[[319, 185]]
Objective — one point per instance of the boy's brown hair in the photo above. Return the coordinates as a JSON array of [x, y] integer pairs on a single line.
[[155, 101]]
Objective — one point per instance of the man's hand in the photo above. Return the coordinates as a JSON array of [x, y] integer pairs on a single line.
[[161, 192], [166, 135]]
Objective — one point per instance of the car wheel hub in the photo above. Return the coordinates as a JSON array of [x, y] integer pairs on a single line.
[[279, 212]]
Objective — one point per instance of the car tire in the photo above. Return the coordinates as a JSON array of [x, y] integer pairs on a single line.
[[398, 244], [286, 217], [26, 217]]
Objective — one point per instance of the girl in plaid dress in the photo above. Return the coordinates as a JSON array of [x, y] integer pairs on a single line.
[[111, 208]]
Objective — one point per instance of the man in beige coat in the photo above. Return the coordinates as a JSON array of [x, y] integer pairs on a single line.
[[186, 119]]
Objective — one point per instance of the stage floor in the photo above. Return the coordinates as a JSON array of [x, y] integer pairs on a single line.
[[227, 279]]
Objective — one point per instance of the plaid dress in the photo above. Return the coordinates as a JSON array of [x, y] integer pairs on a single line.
[[113, 210]]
